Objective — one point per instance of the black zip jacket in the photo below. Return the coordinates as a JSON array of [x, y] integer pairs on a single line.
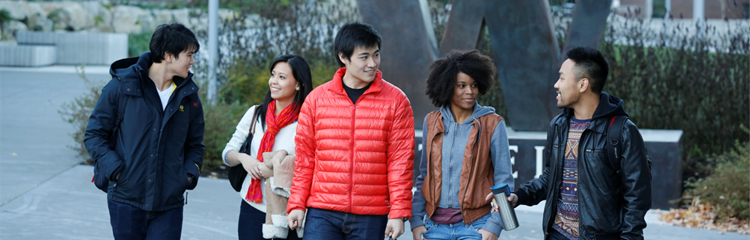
[[612, 205], [155, 150]]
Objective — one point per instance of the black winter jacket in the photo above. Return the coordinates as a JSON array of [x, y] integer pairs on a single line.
[[155, 151], [612, 205]]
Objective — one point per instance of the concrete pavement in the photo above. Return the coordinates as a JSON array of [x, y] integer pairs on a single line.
[[46, 194]]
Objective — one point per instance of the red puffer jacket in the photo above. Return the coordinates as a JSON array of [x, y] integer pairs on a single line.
[[355, 158]]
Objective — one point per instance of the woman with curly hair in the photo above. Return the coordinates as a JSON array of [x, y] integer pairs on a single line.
[[465, 153]]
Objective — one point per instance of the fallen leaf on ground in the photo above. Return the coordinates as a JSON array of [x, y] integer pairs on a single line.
[[700, 215]]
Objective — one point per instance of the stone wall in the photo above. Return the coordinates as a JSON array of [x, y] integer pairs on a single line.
[[92, 16], [100, 16]]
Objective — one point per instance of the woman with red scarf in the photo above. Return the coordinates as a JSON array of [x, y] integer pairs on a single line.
[[275, 125]]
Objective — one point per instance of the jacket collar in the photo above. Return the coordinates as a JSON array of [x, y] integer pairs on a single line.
[[338, 85], [609, 106], [133, 73]]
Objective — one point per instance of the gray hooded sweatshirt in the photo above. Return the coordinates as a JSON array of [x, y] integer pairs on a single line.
[[454, 142]]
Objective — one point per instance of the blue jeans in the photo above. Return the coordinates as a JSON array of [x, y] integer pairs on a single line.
[[459, 230], [130, 222], [333, 225]]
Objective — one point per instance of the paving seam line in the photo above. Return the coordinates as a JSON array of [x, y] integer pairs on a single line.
[[37, 185]]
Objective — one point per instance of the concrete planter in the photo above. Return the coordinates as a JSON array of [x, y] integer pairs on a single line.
[[27, 55], [80, 48]]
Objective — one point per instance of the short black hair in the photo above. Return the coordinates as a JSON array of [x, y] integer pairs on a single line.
[[591, 64], [444, 72], [353, 35], [301, 73], [172, 38]]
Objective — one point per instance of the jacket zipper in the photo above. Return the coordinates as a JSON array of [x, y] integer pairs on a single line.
[[581, 149], [450, 164], [561, 142], [430, 165], [155, 162], [471, 169], [351, 159]]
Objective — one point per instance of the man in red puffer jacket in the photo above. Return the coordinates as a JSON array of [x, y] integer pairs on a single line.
[[355, 149]]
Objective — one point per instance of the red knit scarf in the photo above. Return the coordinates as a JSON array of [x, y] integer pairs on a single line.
[[273, 125]]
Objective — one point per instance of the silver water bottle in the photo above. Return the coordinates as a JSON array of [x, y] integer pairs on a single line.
[[507, 214]]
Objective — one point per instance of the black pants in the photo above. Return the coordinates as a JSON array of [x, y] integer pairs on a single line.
[[251, 222], [130, 222]]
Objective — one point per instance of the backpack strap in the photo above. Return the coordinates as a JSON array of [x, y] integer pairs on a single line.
[[252, 124], [245, 148], [122, 102], [614, 141]]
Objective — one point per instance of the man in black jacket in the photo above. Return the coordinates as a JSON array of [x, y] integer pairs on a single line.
[[588, 195], [145, 135]]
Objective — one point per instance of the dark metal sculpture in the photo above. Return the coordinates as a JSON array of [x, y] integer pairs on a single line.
[[406, 52], [521, 33], [525, 49]]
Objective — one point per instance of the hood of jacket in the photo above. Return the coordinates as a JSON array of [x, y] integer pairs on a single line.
[[609, 106], [479, 111], [137, 68]]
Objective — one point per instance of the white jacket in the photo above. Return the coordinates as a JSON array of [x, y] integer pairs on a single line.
[[284, 140]]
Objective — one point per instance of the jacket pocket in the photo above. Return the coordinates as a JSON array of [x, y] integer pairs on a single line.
[[554, 154], [600, 190], [597, 160], [185, 180], [128, 185], [476, 225]]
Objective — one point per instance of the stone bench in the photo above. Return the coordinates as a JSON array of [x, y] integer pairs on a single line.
[[27, 55], [80, 48]]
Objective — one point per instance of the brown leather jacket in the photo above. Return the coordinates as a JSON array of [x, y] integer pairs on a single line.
[[476, 172]]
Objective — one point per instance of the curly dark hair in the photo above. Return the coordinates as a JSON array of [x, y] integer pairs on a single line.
[[444, 71]]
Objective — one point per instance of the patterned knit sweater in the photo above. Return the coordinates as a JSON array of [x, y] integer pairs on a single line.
[[566, 220]]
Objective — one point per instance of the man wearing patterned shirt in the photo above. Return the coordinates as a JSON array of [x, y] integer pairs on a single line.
[[588, 195]]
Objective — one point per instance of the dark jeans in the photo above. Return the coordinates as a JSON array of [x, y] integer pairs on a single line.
[[130, 222], [555, 235], [250, 225], [332, 225]]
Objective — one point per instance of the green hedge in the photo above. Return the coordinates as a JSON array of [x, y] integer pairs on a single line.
[[704, 94], [698, 85], [221, 121], [684, 82], [138, 43], [727, 187]]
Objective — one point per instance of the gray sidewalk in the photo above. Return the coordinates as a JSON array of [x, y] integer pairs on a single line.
[[46, 194]]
